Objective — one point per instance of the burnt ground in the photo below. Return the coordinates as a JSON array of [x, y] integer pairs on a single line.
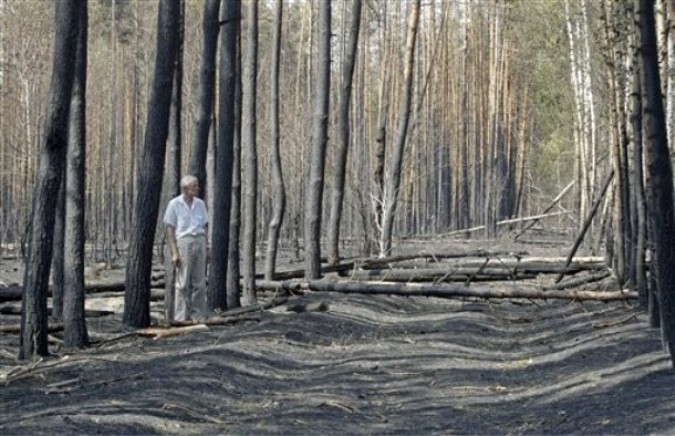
[[367, 365]]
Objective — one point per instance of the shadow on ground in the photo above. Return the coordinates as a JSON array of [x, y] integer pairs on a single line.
[[367, 365]]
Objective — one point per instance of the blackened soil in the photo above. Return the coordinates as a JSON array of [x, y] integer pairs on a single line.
[[369, 364]]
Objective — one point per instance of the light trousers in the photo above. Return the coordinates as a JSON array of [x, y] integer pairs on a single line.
[[190, 297]]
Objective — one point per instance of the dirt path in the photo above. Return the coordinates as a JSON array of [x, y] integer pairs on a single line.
[[366, 365]]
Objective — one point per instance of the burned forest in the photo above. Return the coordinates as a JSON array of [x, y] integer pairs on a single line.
[[410, 217]]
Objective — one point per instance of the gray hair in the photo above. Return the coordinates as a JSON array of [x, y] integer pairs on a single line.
[[187, 181]]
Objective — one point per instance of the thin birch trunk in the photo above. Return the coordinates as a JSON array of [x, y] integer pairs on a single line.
[[278, 189], [393, 179]]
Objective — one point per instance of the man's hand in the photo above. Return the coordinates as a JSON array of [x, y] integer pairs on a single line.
[[175, 260]]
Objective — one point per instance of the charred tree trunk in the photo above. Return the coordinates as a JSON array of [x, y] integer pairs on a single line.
[[313, 201], [74, 322], [205, 92], [57, 258], [222, 189], [34, 326], [638, 197], [233, 275], [174, 159], [174, 154], [249, 153], [151, 170], [343, 132], [660, 188]]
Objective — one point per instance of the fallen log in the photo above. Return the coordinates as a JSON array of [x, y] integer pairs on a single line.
[[501, 223], [15, 292], [379, 262], [483, 272], [257, 307], [448, 291], [219, 320], [16, 328], [590, 263], [161, 333], [284, 286], [578, 282], [156, 294], [15, 309], [587, 222], [547, 210], [534, 264], [439, 275]]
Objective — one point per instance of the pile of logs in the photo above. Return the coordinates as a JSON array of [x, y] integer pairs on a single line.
[[431, 274]]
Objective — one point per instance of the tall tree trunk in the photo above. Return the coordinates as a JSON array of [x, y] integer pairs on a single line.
[[34, 330], [278, 189], [313, 200], [222, 189], [343, 133], [249, 153], [393, 180], [174, 163], [151, 170], [59, 243], [233, 267], [174, 157], [641, 283], [660, 188], [74, 323], [205, 92]]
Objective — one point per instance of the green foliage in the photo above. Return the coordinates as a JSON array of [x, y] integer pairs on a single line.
[[543, 57]]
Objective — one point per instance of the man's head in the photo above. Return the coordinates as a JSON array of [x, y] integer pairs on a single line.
[[190, 186]]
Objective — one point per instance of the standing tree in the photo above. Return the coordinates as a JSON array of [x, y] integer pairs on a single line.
[[249, 152], [343, 135], [393, 179], [278, 190], [59, 246], [313, 200], [205, 91], [220, 229], [233, 283], [174, 156], [55, 143], [151, 169], [660, 182], [74, 323]]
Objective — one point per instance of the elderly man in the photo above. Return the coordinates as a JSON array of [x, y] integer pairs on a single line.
[[186, 221]]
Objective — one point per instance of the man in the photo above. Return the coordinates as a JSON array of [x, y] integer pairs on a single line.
[[186, 221]]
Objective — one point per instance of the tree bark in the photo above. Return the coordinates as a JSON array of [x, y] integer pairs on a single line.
[[343, 132], [174, 155], [151, 169], [59, 247], [314, 197], [587, 223], [74, 323], [249, 153], [174, 140], [278, 189], [222, 189], [638, 199], [34, 326], [449, 291], [393, 180], [233, 267], [660, 187], [206, 91]]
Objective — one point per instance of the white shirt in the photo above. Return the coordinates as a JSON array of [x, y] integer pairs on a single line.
[[185, 219]]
